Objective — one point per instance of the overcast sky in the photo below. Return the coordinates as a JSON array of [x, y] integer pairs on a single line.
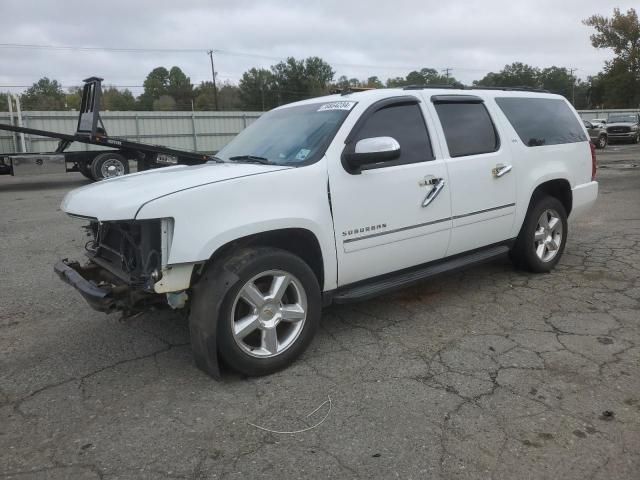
[[358, 38]]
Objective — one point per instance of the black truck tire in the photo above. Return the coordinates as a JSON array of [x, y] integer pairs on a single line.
[[543, 235], [264, 333], [84, 167], [109, 165]]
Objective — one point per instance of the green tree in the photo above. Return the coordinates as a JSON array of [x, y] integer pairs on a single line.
[[257, 90], [319, 75], [619, 84], [557, 80], [4, 102], [45, 94], [515, 75], [164, 103], [229, 97], [118, 100], [155, 86], [430, 76], [424, 76], [179, 87], [299, 79], [73, 98], [374, 82], [396, 82], [204, 97]]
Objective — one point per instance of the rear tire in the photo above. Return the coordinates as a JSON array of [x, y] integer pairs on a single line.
[[602, 142], [268, 313], [109, 165], [542, 237]]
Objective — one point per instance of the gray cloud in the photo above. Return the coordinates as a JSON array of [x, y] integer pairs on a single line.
[[359, 38]]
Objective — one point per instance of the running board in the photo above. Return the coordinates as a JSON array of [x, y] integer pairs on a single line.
[[404, 279]]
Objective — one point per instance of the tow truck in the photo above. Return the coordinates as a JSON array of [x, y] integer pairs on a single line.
[[93, 164]]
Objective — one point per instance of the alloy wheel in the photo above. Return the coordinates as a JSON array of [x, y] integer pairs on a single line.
[[268, 314], [548, 235]]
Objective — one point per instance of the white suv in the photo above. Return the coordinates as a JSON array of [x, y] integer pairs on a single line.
[[334, 199]]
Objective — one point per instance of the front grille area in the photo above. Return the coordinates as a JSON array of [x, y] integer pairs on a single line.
[[131, 250], [618, 129]]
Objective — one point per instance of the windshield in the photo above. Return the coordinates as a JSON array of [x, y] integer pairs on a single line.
[[288, 136], [622, 119]]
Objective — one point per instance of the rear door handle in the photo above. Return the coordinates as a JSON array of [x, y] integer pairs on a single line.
[[501, 169], [437, 184]]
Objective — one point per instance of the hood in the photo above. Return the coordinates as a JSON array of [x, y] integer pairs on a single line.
[[621, 124], [120, 198]]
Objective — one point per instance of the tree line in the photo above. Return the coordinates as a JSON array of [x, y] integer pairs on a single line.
[[616, 86]]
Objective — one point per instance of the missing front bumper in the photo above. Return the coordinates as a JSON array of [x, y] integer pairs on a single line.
[[103, 291]]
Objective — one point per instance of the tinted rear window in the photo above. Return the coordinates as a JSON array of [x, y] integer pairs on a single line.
[[467, 128], [542, 121]]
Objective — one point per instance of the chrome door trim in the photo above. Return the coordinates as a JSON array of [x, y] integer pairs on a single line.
[[501, 169], [426, 224], [436, 188]]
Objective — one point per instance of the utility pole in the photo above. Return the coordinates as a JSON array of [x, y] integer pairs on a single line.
[[213, 75], [446, 72], [573, 86]]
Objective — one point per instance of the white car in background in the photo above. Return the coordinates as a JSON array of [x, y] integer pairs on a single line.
[[331, 200]]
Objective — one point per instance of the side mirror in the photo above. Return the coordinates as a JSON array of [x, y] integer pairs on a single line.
[[588, 124], [369, 151]]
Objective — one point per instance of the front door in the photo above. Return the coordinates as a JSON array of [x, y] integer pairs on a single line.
[[396, 214]]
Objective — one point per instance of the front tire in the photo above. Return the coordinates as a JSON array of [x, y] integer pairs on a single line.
[[542, 237], [267, 315]]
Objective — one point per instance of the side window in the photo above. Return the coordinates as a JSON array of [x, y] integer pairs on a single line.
[[542, 121], [468, 128], [405, 123]]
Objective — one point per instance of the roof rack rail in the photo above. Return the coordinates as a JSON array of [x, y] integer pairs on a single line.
[[349, 90], [420, 87], [511, 89]]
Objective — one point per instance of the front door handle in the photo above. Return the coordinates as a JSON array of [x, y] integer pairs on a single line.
[[437, 184], [501, 169]]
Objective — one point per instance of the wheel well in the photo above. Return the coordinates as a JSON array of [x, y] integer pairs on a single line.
[[559, 189], [299, 241]]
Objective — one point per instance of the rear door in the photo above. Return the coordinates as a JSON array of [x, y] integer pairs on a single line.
[[481, 172]]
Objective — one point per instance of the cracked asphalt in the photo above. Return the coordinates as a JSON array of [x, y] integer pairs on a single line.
[[489, 373]]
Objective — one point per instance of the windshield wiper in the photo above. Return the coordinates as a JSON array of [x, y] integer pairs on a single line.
[[216, 159], [251, 159]]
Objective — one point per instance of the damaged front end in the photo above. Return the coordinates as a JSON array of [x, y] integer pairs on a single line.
[[127, 262]]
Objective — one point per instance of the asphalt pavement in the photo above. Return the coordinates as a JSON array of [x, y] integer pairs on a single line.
[[488, 373]]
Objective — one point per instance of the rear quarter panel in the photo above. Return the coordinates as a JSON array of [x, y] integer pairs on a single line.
[[536, 165]]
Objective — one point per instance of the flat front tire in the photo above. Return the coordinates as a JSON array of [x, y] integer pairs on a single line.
[[268, 312], [542, 237]]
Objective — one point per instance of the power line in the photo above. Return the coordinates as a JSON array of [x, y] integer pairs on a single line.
[[106, 49], [217, 51]]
